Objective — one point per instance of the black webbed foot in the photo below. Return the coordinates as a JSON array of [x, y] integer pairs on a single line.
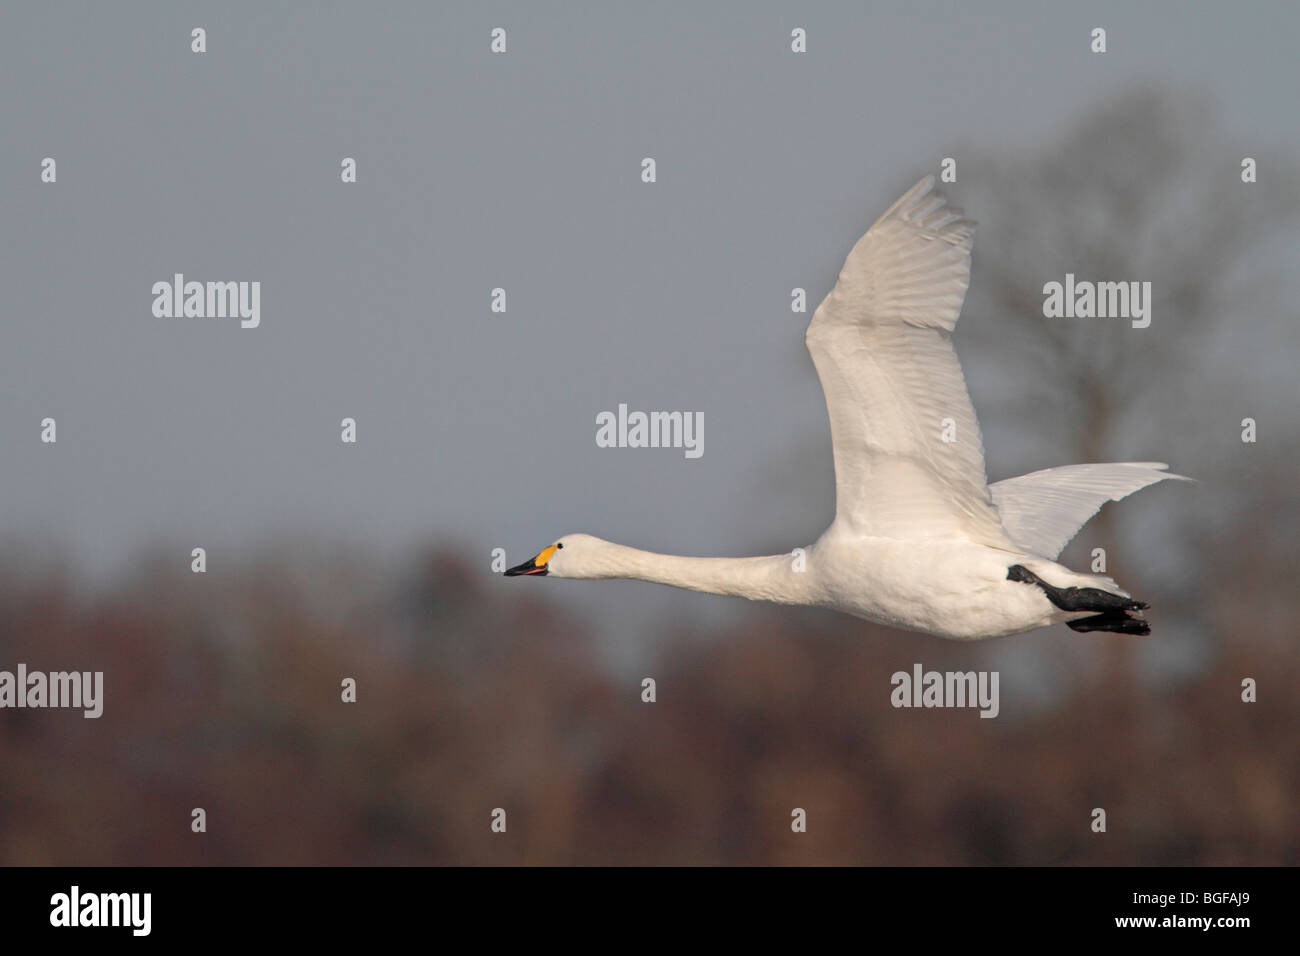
[[1116, 621], [1113, 608]]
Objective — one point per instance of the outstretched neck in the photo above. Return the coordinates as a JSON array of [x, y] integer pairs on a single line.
[[777, 577]]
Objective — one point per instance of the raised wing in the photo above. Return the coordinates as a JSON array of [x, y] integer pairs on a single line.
[[893, 386], [1043, 510]]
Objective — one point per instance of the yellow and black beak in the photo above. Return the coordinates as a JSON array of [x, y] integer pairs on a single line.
[[535, 565]]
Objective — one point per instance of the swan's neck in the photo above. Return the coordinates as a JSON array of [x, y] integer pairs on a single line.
[[770, 578]]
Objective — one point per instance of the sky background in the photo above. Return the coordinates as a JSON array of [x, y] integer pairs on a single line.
[[476, 430]]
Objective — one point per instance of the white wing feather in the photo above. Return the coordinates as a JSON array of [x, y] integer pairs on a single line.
[[880, 341], [1043, 510]]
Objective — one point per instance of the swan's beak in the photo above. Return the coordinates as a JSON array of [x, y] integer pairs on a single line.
[[535, 565]]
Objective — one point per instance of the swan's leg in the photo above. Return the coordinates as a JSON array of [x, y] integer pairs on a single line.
[[1075, 599]]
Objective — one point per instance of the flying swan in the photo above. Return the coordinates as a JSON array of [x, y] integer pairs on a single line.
[[920, 540]]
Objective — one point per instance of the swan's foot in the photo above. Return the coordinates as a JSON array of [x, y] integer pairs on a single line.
[[1117, 621], [1113, 608]]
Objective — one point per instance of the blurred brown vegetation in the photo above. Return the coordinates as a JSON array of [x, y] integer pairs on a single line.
[[226, 695]]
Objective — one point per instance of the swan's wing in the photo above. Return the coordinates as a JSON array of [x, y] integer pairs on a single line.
[[1043, 510], [880, 341]]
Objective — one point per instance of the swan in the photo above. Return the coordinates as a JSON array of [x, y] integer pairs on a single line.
[[920, 540]]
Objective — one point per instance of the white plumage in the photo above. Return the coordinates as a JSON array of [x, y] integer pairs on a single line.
[[919, 540]]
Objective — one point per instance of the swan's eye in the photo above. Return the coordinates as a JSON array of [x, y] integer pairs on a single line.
[[558, 545]]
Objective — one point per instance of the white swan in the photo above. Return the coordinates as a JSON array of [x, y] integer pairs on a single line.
[[919, 540]]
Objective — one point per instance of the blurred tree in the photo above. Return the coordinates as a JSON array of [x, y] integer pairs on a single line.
[[1146, 187]]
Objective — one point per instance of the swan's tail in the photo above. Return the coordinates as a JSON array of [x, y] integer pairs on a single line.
[[1043, 510]]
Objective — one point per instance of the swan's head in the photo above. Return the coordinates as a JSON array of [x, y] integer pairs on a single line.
[[573, 556]]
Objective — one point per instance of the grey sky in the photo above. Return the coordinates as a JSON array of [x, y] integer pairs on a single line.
[[477, 171]]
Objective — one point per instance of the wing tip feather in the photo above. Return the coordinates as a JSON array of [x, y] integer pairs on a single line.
[[931, 212]]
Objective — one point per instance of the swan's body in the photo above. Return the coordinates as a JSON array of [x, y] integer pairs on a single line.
[[919, 540]]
